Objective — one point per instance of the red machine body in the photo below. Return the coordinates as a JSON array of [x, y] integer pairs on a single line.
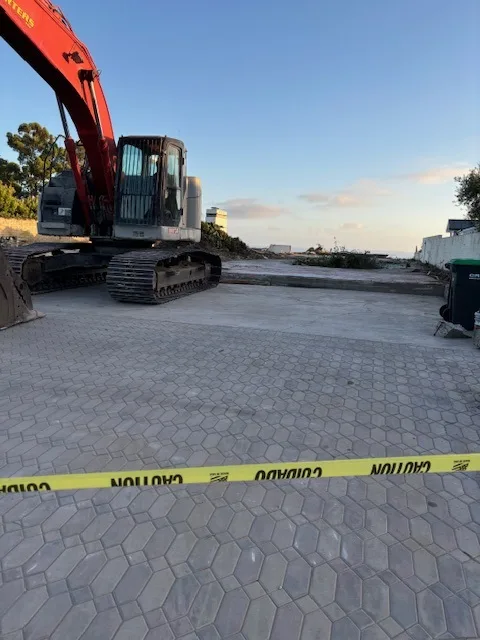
[[39, 32]]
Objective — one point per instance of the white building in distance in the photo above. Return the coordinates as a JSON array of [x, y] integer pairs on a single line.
[[280, 248], [217, 216]]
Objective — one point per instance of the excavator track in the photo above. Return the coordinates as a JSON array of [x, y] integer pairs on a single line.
[[158, 276], [28, 262]]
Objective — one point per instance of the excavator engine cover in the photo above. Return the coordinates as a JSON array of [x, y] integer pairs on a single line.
[[15, 299]]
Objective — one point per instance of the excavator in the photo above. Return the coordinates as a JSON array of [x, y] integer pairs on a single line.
[[131, 205]]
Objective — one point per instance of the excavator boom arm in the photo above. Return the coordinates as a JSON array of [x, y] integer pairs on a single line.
[[39, 32]]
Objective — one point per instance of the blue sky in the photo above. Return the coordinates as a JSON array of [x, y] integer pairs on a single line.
[[307, 121]]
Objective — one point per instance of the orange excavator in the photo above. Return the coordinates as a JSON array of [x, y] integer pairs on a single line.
[[131, 200]]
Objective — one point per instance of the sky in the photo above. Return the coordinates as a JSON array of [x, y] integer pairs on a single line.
[[317, 121]]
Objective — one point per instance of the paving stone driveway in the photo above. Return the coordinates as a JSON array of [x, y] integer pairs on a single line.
[[342, 559]]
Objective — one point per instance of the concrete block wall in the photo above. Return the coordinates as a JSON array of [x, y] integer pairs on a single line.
[[18, 228], [26, 230], [437, 250]]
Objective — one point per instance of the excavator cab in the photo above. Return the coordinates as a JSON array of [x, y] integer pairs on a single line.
[[155, 200]]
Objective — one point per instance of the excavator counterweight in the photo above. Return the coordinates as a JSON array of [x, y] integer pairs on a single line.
[[15, 300]]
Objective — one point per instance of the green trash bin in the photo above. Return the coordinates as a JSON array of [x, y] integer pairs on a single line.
[[463, 294]]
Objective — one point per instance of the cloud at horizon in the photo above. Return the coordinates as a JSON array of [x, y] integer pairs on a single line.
[[251, 208], [352, 226], [360, 193], [437, 175]]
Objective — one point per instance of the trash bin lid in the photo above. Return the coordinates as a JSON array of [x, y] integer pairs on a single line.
[[466, 261]]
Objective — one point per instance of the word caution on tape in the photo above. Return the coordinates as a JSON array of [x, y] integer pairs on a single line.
[[450, 463]]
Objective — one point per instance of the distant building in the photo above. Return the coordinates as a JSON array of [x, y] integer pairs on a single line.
[[455, 226], [217, 216], [280, 248]]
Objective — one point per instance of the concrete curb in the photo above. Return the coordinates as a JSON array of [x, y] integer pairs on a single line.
[[410, 288]]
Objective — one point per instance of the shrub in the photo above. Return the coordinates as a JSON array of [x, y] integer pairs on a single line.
[[341, 261], [13, 207], [218, 238]]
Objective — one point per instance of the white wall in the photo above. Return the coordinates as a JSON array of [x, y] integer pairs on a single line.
[[437, 250], [280, 248]]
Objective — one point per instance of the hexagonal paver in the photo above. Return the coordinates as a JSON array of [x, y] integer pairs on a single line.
[[180, 597], [425, 566], [109, 576], [203, 553], [323, 585], [371, 558], [132, 583], [344, 628], [451, 573], [159, 543], [232, 613], [375, 598], [284, 534], [156, 590], [117, 533], [349, 591], [259, 621], [351, 549], [221, 519], [249, 565], [316, 625], [306, 539], [297, 578], [138, 537], [262, 529], [48, 617], [226, 559], [273, 572], [86, 570], [403, 607], [459, 617], [431, 613], [206, 605], [104, 625], [400, 560], [240, 524], [376, 554], [181, 548], [23, 610], [76, 621]]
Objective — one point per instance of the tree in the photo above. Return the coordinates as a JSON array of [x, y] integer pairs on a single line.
[[13, 207], [39, 156], [8, 201], [468, 193], [11, 175]]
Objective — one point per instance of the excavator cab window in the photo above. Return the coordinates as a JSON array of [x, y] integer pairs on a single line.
[[150, 179], [173, 195], [139, 179]]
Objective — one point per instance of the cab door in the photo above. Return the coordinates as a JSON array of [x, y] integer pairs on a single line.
[[173, 186]]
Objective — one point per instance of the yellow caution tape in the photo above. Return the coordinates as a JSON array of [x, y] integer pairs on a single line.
[[408, 465]]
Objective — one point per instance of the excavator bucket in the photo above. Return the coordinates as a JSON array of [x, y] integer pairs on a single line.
[[15, 299]]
